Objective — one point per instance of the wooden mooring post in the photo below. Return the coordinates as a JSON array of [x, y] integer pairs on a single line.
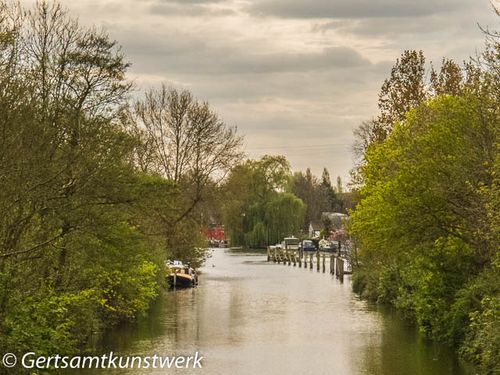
[[340, 268], [289, 256]]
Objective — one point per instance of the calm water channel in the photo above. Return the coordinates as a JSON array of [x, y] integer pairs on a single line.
[[249, 316]]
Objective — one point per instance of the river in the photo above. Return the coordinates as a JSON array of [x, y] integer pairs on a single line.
[[249, 316]]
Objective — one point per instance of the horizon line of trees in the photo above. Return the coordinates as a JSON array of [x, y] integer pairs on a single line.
[[264, 202]]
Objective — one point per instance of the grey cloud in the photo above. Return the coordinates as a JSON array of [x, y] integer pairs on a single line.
[[384, 27], [190, 9], [194, 55], [318, 87], [352, 8], [437, 25], [307, 71], [271, 62]]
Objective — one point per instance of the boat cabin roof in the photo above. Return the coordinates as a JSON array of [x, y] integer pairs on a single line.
[[291, 240]]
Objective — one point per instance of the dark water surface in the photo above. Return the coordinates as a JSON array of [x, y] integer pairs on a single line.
[[249, 316]]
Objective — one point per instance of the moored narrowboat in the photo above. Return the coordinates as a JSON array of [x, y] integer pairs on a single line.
[[181, 275]]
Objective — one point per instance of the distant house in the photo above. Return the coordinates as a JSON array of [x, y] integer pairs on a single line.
[[214, 232], [315, 229]]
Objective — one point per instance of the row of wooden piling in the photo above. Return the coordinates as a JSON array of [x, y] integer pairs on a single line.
[[307, 260]]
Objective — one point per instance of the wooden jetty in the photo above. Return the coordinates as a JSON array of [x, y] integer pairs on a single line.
[[308, 259]]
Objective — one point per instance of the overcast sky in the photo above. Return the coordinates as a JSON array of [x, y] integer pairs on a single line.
[[294, 76]]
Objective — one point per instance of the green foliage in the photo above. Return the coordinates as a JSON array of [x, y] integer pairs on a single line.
[[257, 211], [318, 195], [283, 216], [422, 225], [126, 294], [186, 243], [257, 236], [482, 342], [84, 230], [52, 323]]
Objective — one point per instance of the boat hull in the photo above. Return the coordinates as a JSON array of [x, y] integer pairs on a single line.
[[329, 250], [181, 281]]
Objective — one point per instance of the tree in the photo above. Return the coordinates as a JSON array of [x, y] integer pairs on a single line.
[[238, 192], [186, 142], [339, 187], [66, 78], [316, 198], [271, 175], [74, 253], [426, 222], [284, 217], [449, 80], [419, 224], [257, 211], [334, 196], [405, 89]]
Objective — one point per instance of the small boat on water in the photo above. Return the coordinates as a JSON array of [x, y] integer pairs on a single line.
[[308, 246], [181, 275], [329, 246], [290, 243]]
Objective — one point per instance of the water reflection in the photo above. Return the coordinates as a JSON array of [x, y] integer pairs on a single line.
[[248, 316]]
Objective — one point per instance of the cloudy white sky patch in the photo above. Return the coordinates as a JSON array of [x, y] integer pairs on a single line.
[[296, 77]]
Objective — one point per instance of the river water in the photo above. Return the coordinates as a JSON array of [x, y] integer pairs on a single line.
[[249, 316]]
